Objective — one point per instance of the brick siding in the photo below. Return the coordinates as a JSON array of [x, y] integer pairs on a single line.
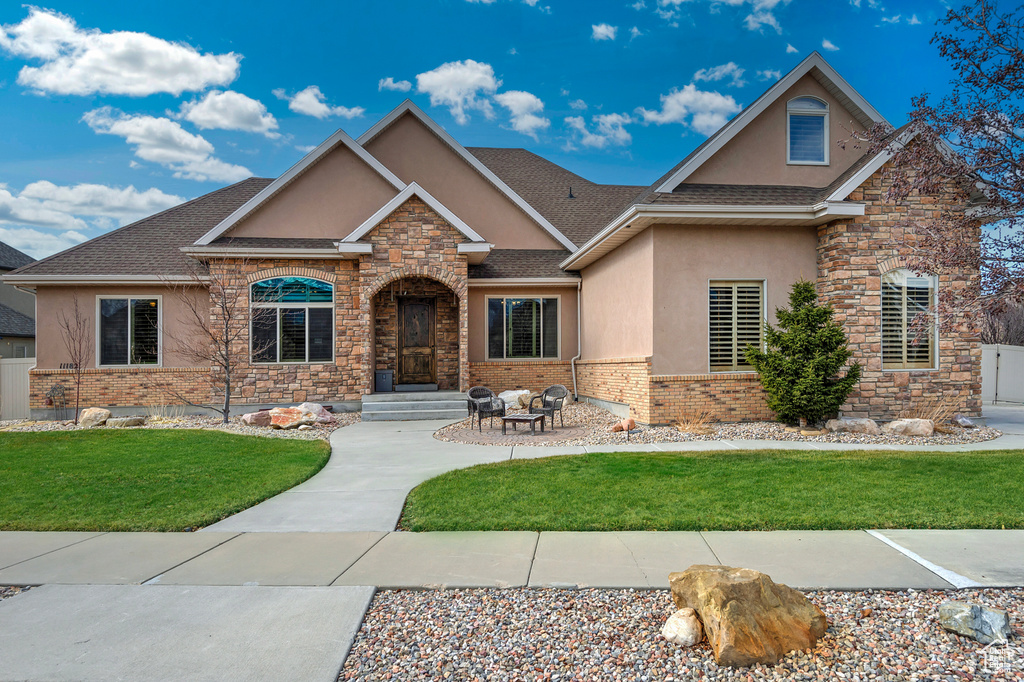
[[531, 375]]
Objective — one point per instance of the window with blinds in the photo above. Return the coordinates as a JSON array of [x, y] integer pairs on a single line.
[[292, 320], [736, 320], [906, 345], [129, 332], [522, 328], [807, 131]]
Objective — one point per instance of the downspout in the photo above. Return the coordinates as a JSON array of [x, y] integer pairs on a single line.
[[579, 337]]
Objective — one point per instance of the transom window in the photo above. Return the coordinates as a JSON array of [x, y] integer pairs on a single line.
[[807, 131], [906, 345], [129, 331], [292, 320], [522, 328], [736, 320]]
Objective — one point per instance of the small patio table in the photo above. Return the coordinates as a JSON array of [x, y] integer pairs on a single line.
[[530, 419]]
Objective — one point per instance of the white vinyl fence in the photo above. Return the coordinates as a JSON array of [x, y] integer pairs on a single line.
[[1002, 373], [14, 387]]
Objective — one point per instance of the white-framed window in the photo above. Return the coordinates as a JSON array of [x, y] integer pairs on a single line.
[[906, 345], [735, 320], [807, 131], [128, 330], [292, 320], [522, 328]]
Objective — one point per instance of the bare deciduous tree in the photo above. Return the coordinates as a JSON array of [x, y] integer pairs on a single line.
[[969, 148], [76, 333], [214, 333]]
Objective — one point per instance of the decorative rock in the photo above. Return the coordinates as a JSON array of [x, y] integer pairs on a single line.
[[261, 418], [792, 429], [748, 618], [122, 422], [812, 432], [290, 417], [322, 415], [525, 400], [909, 427], [305, 427], [848, 425], [91, 417], [962, 421], [683, 628], [624, 425], [512, 398], [977, 622]]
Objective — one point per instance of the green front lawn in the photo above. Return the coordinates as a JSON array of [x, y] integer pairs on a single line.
[[749, 490], [166, 479]]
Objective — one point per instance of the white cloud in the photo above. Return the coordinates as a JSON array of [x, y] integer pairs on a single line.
[[829, 45], [65, 212], [390, 83], [639, 5], [722, 71], [895, 19], [165, 142], [700, 110], [311, 103], [604, 31], [635, 33], [578, 104], [305, 148], [230, 110], [84, 62], [761, 11], [524, 109], [513, 51], [460, 86], [769, 75], [757, 20], [610, 130], [913, 20], [790, 49]]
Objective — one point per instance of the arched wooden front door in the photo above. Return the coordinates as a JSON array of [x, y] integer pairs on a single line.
[[417, 347]]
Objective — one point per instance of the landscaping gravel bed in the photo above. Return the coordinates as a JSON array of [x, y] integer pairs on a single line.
[[529, 634], [11, 591], [599, 423], [318, 432]]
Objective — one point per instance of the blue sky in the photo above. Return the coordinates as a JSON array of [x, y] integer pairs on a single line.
[[112, 111]]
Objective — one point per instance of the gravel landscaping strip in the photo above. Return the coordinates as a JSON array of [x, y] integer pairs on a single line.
[[528, 634], [598, 424], [318, 432], [6, 592]]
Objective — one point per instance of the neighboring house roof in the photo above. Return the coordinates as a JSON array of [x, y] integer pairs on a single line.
[[148, 248], [522, 264], [11, 258], [13, 323], [545, 186]]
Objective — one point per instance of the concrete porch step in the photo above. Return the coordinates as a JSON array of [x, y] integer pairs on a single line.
[[414, 405], [412, 415], [403, 397]]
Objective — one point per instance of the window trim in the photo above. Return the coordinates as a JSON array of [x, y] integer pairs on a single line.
[[904, 272], [24, 350], [159, 329], [707, 318], [278, 305], [825, 132], [487, 330]]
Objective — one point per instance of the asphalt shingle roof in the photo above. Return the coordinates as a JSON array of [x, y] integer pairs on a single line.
[[13, 323], [522, 263], [275, 243], [11, 258], [150, 246]]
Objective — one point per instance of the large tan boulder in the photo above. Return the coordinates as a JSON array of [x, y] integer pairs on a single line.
[[291, 417], [910, 427], [91, 417], [849, 425], [258, 418], [323, 416], [748, 618]]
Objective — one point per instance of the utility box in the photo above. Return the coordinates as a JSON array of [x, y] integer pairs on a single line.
[[384, 381]]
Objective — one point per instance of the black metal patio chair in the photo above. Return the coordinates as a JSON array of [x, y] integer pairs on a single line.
[[551, 400], [482, 403]]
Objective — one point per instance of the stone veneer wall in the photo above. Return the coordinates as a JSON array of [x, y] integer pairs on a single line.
[[532, 375], [446, 328], [852, 257]]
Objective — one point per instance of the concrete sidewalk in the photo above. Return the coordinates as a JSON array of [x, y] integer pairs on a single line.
[[842, 560]]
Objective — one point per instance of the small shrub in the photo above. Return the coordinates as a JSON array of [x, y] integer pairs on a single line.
[[699, 422], [939, 410]]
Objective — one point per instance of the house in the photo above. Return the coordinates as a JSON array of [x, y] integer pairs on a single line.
[[17, 309], [403, 251]]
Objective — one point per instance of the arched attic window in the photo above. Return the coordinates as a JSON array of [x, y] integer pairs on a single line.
[[807, 131]]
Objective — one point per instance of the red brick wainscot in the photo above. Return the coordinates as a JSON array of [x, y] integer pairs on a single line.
[[531, 375], [617, 380], [728, 397], [121, 386]]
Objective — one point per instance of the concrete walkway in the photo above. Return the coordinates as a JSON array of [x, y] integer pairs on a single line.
[[374, 465]]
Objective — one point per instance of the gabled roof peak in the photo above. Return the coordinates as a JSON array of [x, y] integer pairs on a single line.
[[815, 65]]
